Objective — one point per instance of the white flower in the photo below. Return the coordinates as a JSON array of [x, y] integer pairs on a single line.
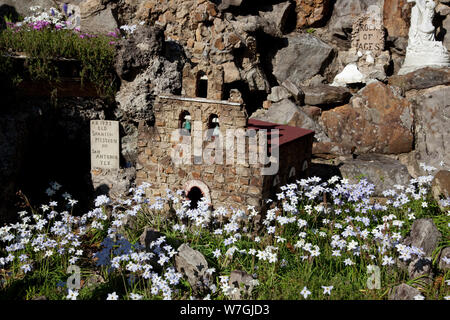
[[112, 296], [419, 297], [348, 262], [305, 293], [72, 295], [135, 296], [217, 253], [387, 261], [327, 290]]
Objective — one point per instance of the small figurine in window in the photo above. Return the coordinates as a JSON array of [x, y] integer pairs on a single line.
[[186, 125]]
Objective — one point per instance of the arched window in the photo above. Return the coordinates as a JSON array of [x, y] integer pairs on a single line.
[[202, 85], [213, 126], [184, 122]]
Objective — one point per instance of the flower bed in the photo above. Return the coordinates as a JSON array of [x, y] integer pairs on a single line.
[[303, 248]]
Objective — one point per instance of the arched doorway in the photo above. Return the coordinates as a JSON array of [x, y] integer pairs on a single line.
[[195, 190], [195, 194]]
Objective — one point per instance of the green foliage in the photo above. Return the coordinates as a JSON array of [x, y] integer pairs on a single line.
[[46, 46]]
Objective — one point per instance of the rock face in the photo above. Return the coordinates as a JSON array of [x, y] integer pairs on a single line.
[[403, 292], [382, 171], [145, 73], [304, 57], [312, 13], [424, 235], [193, 265], [432, 131], [396, 15], [242, 281], [377, 120]]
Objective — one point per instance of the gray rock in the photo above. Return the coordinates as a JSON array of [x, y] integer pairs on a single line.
[[242, 281], [193, 265], [326, 95], [444, 259], [278, 93], [421, 268], [304, 57], [403, 292], [135, 52], [257, 80], [296, 92], [344, 13], [424, 235], [277, 17], [40, 298], [382, 171], [287, 112]]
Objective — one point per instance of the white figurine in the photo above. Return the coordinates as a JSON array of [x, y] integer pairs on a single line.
[[423, 50]]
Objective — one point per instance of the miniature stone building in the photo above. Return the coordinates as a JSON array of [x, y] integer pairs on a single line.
[[202, 107]]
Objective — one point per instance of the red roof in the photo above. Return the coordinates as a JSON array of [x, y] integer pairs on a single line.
[[287, 133]]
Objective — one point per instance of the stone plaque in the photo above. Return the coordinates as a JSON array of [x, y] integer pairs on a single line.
[[368, 32], [104, 144]]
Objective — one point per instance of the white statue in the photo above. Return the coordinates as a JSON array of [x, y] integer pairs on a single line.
[[423, 50]]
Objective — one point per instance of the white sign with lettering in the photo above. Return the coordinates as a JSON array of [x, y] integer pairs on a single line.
[[104, 144]]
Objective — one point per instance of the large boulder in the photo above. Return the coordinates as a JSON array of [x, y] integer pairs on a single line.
[[243, 282], [424, 235], [432, 132], [304, 57], [403, 292], [193, 265], [381, 170], [377, 120]]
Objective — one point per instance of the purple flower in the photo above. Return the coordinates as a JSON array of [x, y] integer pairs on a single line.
[[65, 7], [52, 12]]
